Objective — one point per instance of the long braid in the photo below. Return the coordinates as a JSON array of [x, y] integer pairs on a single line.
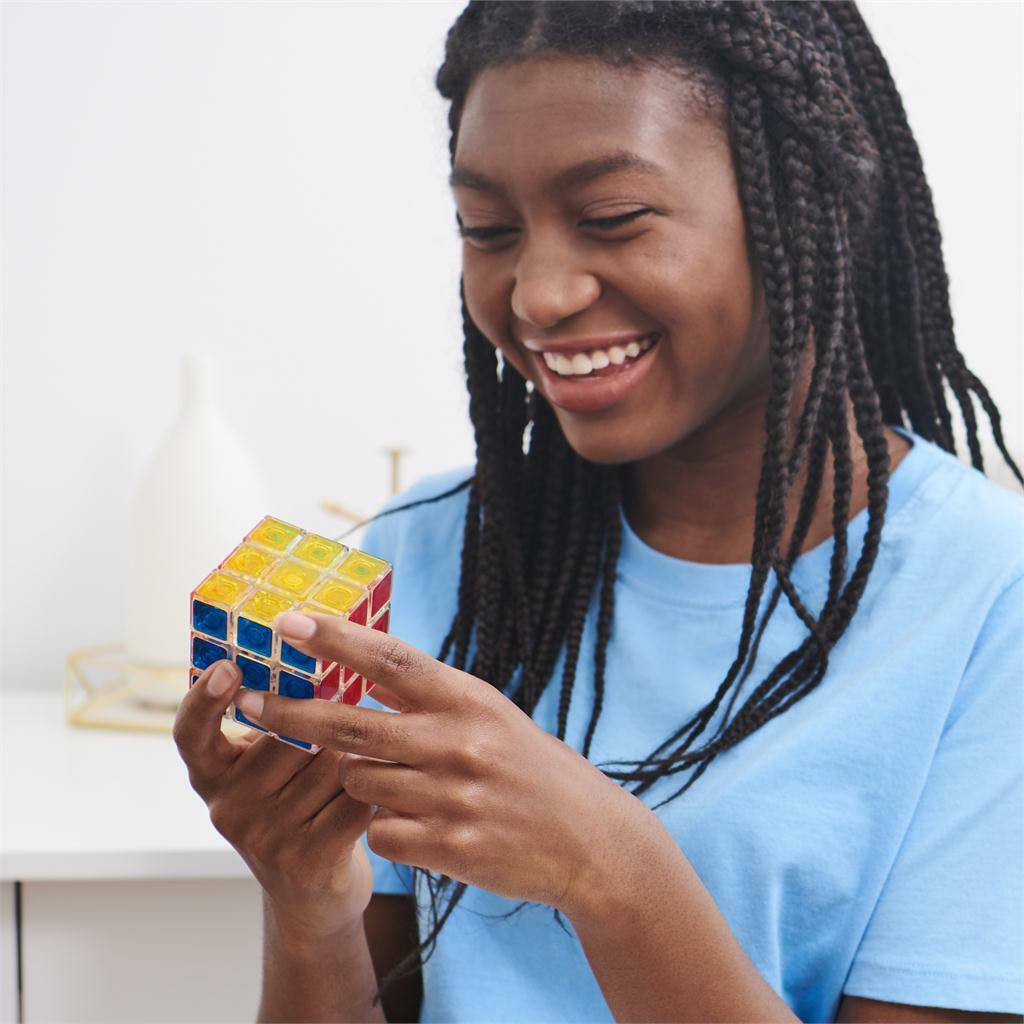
[[842, 224], [606, 605]]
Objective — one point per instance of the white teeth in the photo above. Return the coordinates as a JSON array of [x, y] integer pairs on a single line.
[[583, 363]]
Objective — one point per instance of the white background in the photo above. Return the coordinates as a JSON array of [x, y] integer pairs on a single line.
[[265, 182]]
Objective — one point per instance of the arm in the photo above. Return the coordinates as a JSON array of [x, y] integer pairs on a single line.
[[335, 979], [655, 940], [661, 950], [857, 1010], [315, 978]]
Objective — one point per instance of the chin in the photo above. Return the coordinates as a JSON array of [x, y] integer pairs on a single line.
[[608, 444]]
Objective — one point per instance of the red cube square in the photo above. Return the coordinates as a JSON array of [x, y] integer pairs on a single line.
[[381, 594], [330, 684], [359, 614]]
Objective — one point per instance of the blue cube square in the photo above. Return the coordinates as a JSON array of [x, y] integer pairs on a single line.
[[255, 675], [296, 659], [209, 620], [296, 687], [255, 637], [239, 717], [205, 653]]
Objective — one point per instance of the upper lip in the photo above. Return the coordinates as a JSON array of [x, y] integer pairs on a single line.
[[563, 345]]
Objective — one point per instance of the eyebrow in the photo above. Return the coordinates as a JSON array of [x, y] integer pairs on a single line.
[[577, 174]]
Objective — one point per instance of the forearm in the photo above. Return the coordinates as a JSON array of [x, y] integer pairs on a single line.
[[660, 948], [308, 979]]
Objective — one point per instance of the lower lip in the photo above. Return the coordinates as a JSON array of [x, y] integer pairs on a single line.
[[593, 394]]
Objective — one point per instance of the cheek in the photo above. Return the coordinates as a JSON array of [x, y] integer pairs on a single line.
[[488, 299], [705, 295]]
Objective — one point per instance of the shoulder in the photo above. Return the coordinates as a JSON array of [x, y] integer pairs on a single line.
[[423, 522], [420, 532], [957, 520]]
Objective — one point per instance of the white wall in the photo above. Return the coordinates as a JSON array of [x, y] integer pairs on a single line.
[[266, 182]]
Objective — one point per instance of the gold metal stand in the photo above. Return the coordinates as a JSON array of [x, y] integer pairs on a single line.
[[104, 688]]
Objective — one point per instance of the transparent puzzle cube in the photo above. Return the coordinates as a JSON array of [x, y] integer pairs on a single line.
[[278, 568]]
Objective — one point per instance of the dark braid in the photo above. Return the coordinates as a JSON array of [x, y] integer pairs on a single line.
[[841, 222]]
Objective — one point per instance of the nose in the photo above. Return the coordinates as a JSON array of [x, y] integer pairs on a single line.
[[549, 288]]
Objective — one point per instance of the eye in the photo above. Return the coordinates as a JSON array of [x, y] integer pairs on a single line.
[[489, 234], [607, 223]]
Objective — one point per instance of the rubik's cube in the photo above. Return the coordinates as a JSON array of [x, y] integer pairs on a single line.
[[280, 568]]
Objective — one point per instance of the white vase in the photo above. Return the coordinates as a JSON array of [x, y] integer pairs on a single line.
[[202, 492]]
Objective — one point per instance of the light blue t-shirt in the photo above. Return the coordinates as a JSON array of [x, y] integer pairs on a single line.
[[869, 840]]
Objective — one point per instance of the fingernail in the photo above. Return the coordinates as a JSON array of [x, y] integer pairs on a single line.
[[250, 704], [221, 679], [296, 626]]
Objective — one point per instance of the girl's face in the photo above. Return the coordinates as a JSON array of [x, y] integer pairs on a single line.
[[600, 212]]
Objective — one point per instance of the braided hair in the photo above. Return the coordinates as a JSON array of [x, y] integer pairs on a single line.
[[843, 228]]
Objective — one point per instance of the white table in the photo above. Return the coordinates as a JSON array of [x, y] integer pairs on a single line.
[[132, 907]]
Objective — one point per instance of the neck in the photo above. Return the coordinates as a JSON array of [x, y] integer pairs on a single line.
[[697, 500]]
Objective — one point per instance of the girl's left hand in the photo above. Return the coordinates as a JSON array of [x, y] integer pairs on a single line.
[[468, 784]]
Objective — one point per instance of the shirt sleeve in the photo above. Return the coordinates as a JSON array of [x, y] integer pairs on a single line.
[[948, 928]]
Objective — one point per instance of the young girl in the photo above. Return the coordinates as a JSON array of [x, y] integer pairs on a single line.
[[728, 641]]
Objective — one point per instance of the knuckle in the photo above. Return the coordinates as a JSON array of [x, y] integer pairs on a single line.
[[224, 819], [180, 732], [384, 841], [462, 843], [353, 781], [197, 782], [462, 840], [393, 658], [474, 754], [346, 732], [465, 797]]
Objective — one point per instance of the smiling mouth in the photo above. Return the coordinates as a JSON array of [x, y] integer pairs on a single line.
[[600, 362]]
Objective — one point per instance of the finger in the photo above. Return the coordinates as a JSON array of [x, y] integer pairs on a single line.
[[311, 788], [403, 839], [394, 786], [203, 747], [380, 734], [341, 819], [268, 765], [409, 674]]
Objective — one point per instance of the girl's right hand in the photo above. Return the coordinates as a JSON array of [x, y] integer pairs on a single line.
[[282, 809]]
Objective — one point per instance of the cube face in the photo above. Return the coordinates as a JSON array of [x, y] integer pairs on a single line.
[[293, 578], [318, 551], [249, 562], [278, 568]]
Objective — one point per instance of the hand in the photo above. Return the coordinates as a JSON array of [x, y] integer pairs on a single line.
[[284, 810], [467, 783]]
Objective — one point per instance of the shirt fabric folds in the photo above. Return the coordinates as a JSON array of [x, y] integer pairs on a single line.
[[867, 841]]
